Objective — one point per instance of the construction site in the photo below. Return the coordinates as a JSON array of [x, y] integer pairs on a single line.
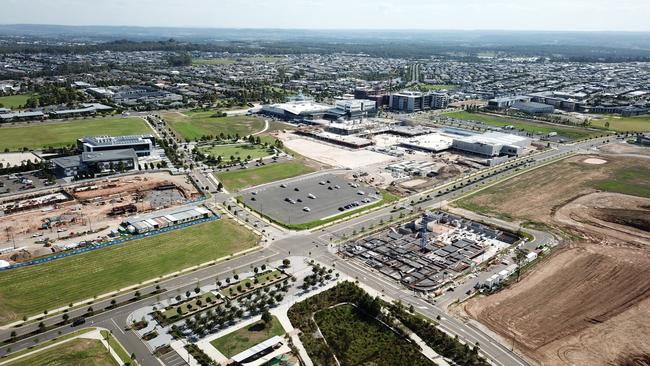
[[595, 288], [401, 157], [45, 222], [431, 251]]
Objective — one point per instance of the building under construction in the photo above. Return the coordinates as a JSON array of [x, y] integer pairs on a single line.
[[427, 253]]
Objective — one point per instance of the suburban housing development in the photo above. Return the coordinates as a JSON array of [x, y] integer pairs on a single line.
[[189, 196]]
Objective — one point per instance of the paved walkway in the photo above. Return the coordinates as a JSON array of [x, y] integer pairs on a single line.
[[179, 347]]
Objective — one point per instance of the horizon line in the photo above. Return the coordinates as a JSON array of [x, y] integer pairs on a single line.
[[325, 29]]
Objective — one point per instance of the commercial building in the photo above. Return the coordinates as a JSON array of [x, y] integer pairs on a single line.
[[141, 144], [533, 108], [297, 110], [492, 144], [145, 223], [507, 102], [21, 116], [352, 109], [410, 101], [95, 162], [433, 143]]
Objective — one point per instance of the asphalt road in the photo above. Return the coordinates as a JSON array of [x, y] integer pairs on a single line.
[[315, 245]]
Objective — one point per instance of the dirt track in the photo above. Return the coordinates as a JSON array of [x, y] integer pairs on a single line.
[[589, 302]]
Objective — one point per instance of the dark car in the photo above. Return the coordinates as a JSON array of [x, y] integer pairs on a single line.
[[78, 321]]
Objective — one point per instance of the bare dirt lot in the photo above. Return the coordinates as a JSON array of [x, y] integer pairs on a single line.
[[332, 155], [92, 209], [589, 302]]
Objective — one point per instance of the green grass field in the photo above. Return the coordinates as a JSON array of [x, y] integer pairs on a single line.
[[238, 179], [632, 180], [245, 338], [358, 339], [237, 151], [625, 124], [77, 352], [574, 133], [65, 133], [194, 125], [15, 101], [30, 290]]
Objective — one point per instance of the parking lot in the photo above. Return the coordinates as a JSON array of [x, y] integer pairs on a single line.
[[16, 183], [309, 199]]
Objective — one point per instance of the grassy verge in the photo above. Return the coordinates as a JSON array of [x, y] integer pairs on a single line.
[[238, 179], [46, 343], [31, 290], [575, 133], [117, 347], [74, 352], [624, 124], [58, 134], [247, 337]]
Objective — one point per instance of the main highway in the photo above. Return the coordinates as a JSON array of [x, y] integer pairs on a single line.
[[315, 244]]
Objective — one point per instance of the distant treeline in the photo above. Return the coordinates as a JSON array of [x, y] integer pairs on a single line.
[[379, 48]]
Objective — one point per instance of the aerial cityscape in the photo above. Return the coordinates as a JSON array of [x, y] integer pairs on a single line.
[[198, 183]]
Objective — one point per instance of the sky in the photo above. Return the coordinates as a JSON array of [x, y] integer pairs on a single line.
[[547, 15]]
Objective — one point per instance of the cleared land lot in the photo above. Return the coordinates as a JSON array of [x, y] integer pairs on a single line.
[[245, 338], [588, 303], [30, 290], [631, 124], [15, 101], [574, 133], [77, 352], [238, 179], [194, 125], [243, 151], [335, 156], [57, 134]]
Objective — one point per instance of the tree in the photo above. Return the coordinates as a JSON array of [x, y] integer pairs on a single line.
[[520, 258], [267, 318], [286, 262]]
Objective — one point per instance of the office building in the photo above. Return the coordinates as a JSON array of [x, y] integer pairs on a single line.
[[410, 101], [141, 144], [95, 162]]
